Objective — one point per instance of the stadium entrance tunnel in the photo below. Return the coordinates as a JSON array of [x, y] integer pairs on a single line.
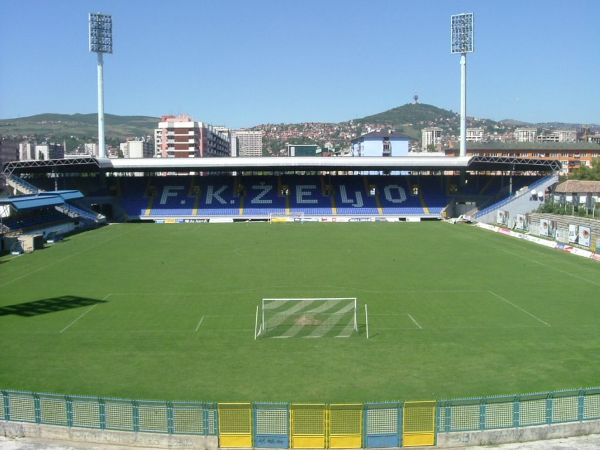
[[48, 305]]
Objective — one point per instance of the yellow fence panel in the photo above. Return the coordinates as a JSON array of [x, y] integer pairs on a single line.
[[308, 425], [419, 424], [345, 425], [235, 425]]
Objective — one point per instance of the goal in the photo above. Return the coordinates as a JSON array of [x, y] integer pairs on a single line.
[[306, 317], [286, 218]]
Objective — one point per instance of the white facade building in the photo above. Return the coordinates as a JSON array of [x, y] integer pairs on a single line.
[[26, 151], [90, 148], [475, 135], [49, 151], [558, 136], [430, 136], [525, 134], [246, 143], [136, 149]]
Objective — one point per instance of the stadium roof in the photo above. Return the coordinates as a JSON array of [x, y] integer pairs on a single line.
[[282, 164], [23, 202], [528, 146]]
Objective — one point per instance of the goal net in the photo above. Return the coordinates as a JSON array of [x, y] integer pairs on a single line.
[[306, 317], [286, 218]]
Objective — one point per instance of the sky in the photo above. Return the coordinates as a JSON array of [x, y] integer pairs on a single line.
[[240, 63]]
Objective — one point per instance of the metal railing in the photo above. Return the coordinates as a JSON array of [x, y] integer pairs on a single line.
[[294, 425]]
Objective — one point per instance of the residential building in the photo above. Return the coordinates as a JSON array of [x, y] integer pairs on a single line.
[[525, 134], [475, 135], [595, 138], [49, 151], [136, 148], [26, 151], [91, 149], [9, 151], [380, 144], [571, 155], [247, 143], [431, 138], [558, 136], [182, 137]]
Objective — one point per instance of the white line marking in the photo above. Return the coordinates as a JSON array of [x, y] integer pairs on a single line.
[[280, 337], [342, 336], [70, 255], [79, 317], [199, 323], [93, 306], [415, 322], [518, 307], [574, 275]]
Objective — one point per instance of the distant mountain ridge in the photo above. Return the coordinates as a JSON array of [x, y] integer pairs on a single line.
[[78, 125], [410, 119]]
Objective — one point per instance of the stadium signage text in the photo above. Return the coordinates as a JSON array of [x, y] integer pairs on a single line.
[[266, 194]]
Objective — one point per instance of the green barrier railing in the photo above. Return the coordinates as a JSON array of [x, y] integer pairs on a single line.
[[270, 424], [109, 413], [542, 408]]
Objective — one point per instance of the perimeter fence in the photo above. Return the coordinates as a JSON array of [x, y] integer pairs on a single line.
[[304, 425]]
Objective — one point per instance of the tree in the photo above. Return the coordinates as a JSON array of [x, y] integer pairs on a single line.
[[588, 173]]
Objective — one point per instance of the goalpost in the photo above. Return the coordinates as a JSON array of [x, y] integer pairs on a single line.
[[306, 317], [286, 218]]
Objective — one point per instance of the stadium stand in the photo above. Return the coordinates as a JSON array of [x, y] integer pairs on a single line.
[[258, 197]]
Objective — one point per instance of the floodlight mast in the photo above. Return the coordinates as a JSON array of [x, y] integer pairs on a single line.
[[461, 41], [100, 43]]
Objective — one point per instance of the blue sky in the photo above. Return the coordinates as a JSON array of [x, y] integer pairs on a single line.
[[245, 62]]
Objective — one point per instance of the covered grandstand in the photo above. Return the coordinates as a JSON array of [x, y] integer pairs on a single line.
[[327, 189]]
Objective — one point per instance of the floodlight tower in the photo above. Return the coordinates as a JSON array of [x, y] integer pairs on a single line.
[[100, 43], [461, 41]]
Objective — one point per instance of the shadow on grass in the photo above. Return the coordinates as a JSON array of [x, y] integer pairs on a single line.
[[48, 305]]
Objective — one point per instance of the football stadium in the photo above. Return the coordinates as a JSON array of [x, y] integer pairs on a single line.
[[391, 299], [289, 302]]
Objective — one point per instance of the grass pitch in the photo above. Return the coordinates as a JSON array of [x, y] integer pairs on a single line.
[[167, 312]]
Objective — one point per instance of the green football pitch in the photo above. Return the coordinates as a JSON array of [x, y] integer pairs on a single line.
[[168, 312]]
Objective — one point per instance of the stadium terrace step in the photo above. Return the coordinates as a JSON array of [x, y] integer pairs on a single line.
[[521, 202], [22, 186]]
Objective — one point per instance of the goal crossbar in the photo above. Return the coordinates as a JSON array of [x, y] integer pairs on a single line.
[[307, 317]]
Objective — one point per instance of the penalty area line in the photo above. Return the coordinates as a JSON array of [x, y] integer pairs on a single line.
[[498, 296], [81, 315], [78, 317], [199, 323], [414, 321]]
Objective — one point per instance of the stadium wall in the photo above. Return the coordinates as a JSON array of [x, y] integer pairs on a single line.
[[445, 423], [570, 234]]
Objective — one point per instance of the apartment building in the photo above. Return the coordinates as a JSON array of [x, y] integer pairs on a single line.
[[246, 143], [525, 134], [430, 137], [475, 134], [182, 137], [136, 148]]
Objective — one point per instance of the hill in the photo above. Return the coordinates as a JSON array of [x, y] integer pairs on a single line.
[[61, 126], [410, 114]]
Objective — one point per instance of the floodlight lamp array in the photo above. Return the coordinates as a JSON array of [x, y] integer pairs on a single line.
[[461, 33], [100, 33]]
